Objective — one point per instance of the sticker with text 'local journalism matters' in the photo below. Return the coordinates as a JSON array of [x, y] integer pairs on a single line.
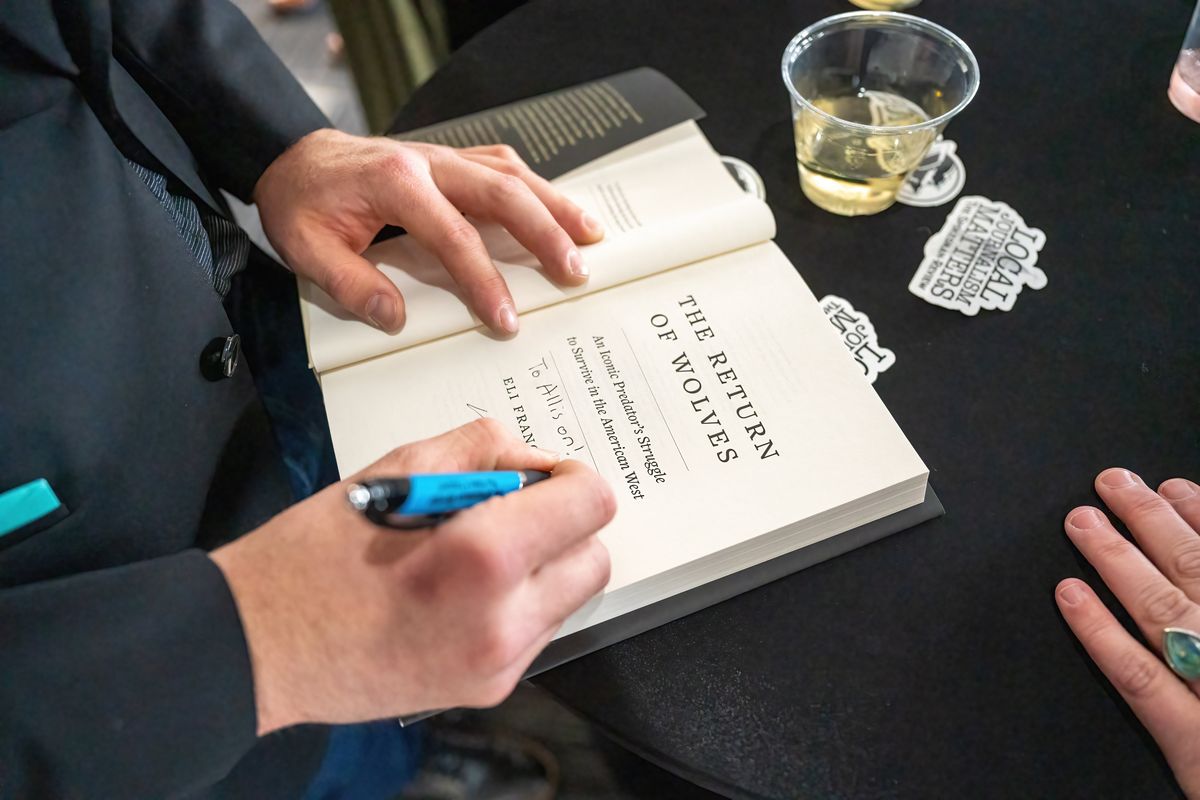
[[858, 334], [982, 257]]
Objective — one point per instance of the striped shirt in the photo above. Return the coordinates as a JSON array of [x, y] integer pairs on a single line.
[[219, 246]]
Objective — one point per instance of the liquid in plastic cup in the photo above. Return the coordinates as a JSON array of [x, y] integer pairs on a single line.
[[870, 92]]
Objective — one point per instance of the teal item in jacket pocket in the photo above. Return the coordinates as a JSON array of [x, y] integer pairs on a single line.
[[25, 504]]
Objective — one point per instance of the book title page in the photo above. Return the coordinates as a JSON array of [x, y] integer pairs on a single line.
[[714, 398]]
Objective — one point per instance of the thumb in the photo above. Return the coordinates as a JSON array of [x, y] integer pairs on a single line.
[[355, 283]]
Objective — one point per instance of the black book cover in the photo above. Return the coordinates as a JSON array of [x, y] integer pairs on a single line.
[[592, 639], [556, 132]]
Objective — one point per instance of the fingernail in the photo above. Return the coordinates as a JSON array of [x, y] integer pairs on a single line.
[[507, 317], [1085, 518], [381, 310], [1072, 594], [575, 264], [1177, 489], [592, 224], [1117, 478]]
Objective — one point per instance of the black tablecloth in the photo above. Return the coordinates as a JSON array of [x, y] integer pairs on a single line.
[[934, 663]]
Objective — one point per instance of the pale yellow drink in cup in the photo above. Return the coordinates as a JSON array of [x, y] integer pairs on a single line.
[[849, 172], [870, 92]]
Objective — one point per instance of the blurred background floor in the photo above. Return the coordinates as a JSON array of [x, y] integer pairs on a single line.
[[591, 766], [299, 41]]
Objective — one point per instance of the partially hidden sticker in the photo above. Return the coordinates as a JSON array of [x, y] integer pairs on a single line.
[[858, 334], [937, 179], [981, 258]]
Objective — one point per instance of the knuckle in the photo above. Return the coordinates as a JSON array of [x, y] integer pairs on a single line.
[[395, 456], [486, 431], [1162, 605], [491, 426], [1137, 674], [1185, 561], [494, 691], [461, 235], [601, 563], [493, 431], [551, 231], [1147, 504], [426, 587], [496, 649], [482, 438], [396, 453], [339, 283], [508, 153], [1115, 549], [399, 162], [507, 188], [487, 288], [1094, 629], [602, 503], [486, 563], [492, 283]]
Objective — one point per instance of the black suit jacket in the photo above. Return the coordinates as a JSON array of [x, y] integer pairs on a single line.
[[123, 668]]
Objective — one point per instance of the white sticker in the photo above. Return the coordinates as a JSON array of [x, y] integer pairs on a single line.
[[858, 334], [981, 258], [937, 179]]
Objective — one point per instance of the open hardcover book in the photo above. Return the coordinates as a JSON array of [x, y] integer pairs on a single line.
[[695, 371]]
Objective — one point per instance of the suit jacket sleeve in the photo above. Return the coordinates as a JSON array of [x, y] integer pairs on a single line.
[[107, 690], [218, 82]]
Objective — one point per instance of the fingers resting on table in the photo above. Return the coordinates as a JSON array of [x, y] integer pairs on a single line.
[[1156, 577]]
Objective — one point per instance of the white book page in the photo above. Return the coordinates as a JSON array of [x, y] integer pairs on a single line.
[[716, 400], [664, 201]]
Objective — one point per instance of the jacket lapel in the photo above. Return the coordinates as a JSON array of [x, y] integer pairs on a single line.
[[31, 24], [75, 38], [146, 125]]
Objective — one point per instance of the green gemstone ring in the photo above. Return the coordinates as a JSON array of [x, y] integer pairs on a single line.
[[1181, 650]]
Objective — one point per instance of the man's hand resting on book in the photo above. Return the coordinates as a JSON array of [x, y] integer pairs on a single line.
[[325, 198], [346, 621], [1158, 582]]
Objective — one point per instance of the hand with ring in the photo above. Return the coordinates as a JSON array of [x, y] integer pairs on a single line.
[[1157, 580]]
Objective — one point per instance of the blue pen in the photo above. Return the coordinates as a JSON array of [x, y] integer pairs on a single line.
[[418, 501]]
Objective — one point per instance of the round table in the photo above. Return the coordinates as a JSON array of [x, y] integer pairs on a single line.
[[933, 663]]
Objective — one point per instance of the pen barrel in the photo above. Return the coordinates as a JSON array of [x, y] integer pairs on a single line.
[[445, 493]]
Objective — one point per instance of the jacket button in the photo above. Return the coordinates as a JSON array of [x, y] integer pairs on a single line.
[[219, 359]]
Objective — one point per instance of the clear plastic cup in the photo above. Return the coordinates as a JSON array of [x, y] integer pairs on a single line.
[[1184, 89], [870, 93], [885, 5]]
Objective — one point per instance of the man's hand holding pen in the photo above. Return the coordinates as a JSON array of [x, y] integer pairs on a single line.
[[347, 621]]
